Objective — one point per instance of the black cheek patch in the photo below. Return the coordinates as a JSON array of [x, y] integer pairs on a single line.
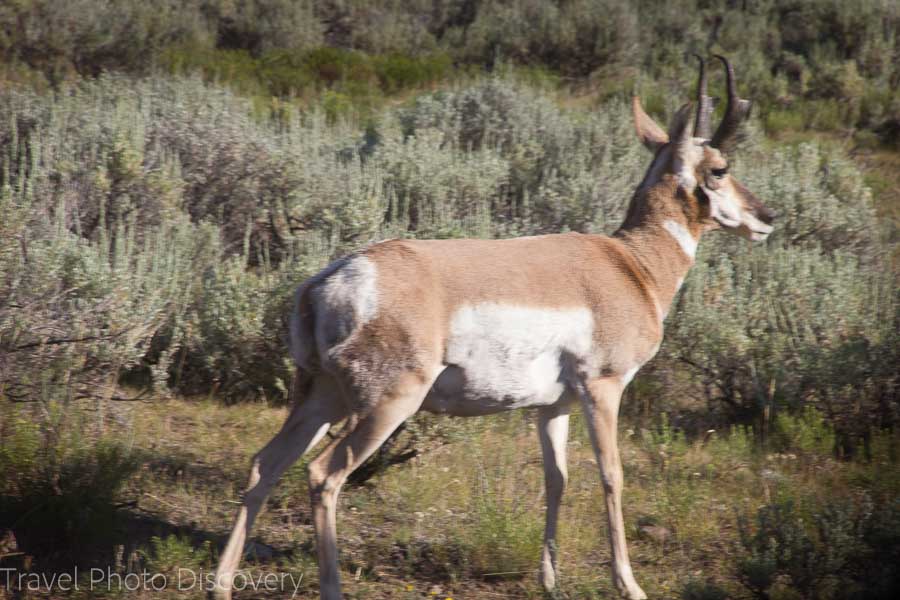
[[747, 197], [701, 195]]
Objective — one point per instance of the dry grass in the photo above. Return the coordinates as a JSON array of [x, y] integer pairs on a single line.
[[464, 519]]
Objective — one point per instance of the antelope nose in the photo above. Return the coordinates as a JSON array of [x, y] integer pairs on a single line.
[[767, 215]]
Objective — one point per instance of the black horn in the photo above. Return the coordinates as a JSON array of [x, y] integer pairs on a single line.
[[704, 104], [736, 110]]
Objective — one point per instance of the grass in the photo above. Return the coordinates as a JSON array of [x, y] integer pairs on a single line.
[[342, 81], [465, 518]]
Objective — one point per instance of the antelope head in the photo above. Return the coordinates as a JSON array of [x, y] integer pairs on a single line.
[[700, 160]]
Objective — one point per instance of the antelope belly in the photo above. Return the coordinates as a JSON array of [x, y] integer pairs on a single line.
[[500, 357]]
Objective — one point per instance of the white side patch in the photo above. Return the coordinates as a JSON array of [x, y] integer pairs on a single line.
[[627, 377], [684, 238], [514, 356]]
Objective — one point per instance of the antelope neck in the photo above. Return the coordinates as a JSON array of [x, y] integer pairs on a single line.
[[663, 243]]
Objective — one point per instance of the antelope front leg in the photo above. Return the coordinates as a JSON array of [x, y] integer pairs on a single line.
[[553, 428], [601, 398]]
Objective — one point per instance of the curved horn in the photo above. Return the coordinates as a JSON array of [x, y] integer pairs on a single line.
[[704, 104], [736, 110]]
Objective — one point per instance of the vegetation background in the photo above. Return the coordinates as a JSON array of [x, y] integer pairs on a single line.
[[169, 170]]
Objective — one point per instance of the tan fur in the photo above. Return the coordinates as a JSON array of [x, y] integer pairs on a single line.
[[552, 271], [372, 335]]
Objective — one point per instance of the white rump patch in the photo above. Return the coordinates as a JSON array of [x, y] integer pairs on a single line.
[[355, 284], [299, 345], [346, 299], [684, 238], [513, 356]]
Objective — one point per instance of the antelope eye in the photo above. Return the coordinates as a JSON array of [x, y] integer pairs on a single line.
[[719, 173]]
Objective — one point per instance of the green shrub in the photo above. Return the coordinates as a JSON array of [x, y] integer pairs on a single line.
[[839, 55], [702, 590], [778, 121], [234, 67], [242, 208], [502, 538], [62, 486], [397, 72], [325, 73], [824, 115], [807, 432], [261, 25], [169, 554], [77, 315], [832, 554], [88, 36], [779, 545], [795, 320]]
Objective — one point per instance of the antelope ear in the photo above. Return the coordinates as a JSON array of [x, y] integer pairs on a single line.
[[650, 134]]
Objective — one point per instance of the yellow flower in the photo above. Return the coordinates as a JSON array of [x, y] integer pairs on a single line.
[[409, 587]]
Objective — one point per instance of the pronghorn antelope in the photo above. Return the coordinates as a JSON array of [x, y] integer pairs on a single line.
[[474, 327]]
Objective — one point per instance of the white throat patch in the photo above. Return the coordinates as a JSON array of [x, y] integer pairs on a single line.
[[684, 238]]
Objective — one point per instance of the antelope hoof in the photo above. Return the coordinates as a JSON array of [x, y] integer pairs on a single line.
[[633, 592], [219, 593], [548, 580], [547, 575]]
